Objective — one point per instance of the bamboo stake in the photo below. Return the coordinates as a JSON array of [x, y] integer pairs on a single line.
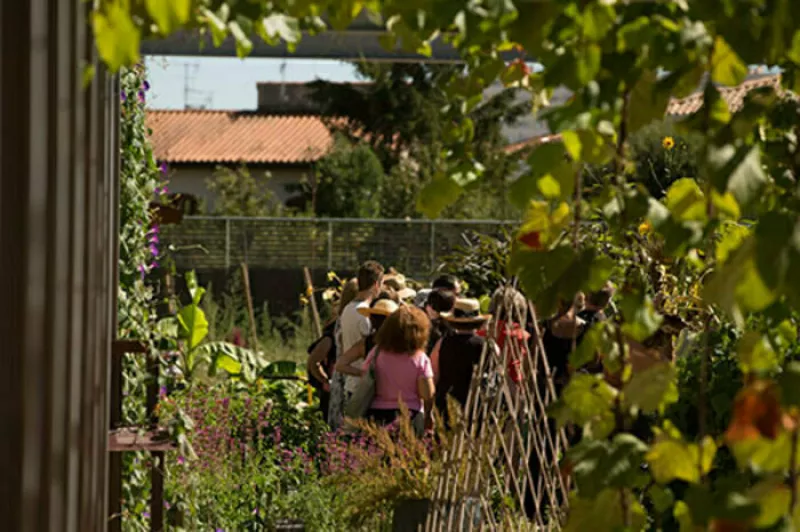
[[251, 315], [314, 311]]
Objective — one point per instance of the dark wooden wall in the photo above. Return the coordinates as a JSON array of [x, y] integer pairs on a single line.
[[58, 174]]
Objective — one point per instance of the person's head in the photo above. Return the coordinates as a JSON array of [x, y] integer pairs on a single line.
[[349, 293], [378, 311], [509, 304], [404, 331], [440, 301], [466, 315], [447, 282], [370, 277], [387, 293], [600, 299]]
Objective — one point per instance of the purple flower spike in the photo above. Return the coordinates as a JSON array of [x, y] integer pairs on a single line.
[[162, 391], [146, 85], [146, 515], [140, 94], [123, 96], [142, 270], [163, 167], [153, 239], [219, 530], [181, 460], [153, 250], [167, 505]]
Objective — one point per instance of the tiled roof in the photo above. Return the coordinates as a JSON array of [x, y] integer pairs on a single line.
[[734, 96], [530, 143], [195, 136]]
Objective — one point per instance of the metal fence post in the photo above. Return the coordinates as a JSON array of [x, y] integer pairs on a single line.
[[433, 246], [227, 243], [330, 246]]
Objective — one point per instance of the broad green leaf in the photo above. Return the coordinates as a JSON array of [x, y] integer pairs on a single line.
[[169, 15], [736, 170], [646, 102], [777, 254], [598, 19], [671, 459], [652, 389], [756, 353], [683, 516], [281, 368], [194, 325], [726, 205], [437, 195], [773, 498], [789, 382], [604, 512], [228, 364], [243, 43], [599, 464], [277, 26], [116, 36], [588, 146], [217, 25], [726, 67], [662, 498], [763, 455], [587, 400], [587, 63], [594, 340], [732, 236], [794, 52], [686, 201], [641, 318], [634, 34], [549, 174]]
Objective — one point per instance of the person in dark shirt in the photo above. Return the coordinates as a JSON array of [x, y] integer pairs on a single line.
[[440, 302], [447, 282], [455, 356]]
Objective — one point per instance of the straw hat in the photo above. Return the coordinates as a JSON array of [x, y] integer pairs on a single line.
[[466, 311], [382, 307], [397, 281]]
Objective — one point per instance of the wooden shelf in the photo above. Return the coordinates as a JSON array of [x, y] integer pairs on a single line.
[[132, 439]]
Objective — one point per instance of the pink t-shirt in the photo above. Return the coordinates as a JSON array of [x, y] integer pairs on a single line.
[[396, 376]]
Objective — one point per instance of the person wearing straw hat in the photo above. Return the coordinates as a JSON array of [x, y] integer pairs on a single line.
[[455, 356], [397, 282], [377, 313]]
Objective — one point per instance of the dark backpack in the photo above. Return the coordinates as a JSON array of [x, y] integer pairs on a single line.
[[330, 359]]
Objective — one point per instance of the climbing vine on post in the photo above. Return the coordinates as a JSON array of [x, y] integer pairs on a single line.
[[734, 226]]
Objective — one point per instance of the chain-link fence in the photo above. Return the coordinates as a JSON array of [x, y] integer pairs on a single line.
[[414, 247]]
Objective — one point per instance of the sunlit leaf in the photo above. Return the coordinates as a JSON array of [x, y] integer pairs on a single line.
[[598, 19], [604, 512], [673, 459], [726, 67], [217, 25], [194, 325], [756, 353], [737, 170], [652, 389], [686, 201], [116, 36], [243, 43], [169, 15], [732, 236], [437, 196], [587, 400], [646, 103], [588, 146], [641, 318], [773, 499], [281, 27]]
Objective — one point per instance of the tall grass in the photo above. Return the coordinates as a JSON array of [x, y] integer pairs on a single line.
[[279, 337]]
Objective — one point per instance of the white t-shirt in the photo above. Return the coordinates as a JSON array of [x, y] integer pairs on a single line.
[[352, 328]]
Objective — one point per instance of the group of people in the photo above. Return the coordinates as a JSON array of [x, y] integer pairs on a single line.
[[422, 347]]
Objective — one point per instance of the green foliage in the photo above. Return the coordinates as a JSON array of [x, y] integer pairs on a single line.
[[481, 263], [238, 193], [348, 182], [607, 53]]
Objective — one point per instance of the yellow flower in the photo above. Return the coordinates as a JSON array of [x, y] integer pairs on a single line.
[[332, 276], [668, 143], [303, 300], [645, 228], [309, 291]]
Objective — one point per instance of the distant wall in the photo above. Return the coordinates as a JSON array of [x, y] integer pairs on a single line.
[[193, 179]]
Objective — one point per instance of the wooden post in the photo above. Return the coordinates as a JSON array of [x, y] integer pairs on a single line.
[[250, 313], [314, 311]]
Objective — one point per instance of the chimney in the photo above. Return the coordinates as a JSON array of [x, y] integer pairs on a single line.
[[285, 98]]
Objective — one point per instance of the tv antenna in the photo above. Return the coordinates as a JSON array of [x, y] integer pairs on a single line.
[[189, 73]]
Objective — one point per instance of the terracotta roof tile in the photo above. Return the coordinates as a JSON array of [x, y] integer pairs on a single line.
[[530, 143], [734, 96], [234, 136]]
